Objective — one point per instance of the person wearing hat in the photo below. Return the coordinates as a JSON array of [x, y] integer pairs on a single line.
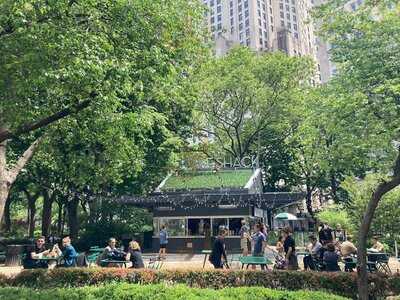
[[135, 255]]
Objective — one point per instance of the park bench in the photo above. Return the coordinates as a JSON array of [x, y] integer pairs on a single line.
[[254, 260]]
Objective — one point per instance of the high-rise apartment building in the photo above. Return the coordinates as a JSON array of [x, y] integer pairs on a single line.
[[326, 67], [262, 25]]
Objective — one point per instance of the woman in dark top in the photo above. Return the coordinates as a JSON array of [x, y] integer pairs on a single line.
[[289, 247], [135, 255], [331, 259], [218, 253]]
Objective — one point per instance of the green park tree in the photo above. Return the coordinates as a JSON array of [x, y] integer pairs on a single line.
[[246, 97], [366, 103], [113, 59]]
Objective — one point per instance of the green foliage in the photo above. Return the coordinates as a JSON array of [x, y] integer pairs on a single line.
[[339, 283], [385, 222], [208, 179], [110, 219], [336, 215], [244, 95], [129, 291]]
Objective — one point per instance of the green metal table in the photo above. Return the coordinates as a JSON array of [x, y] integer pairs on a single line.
[[206, 253]]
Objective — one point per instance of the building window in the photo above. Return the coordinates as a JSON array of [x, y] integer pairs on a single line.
[[219, 26], [246, 3], [261, 41], [241, 26], [240, 17], [294, 18], [219, 18], [232, 22], [175, 227], [234, 226], [218, 224], [198, 227], [282, 23], [296, 35], [211, 2], [232, 30], [248, 42], [247, 23], [282, 14], [259, 22], [219, 9], [295, 27], [247, 32], [246, 13]]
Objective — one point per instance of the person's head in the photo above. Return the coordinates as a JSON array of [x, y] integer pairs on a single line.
[[66, 241], [112, 242], [286, 231], [222, 232], [134, 245], [330, 247], [280, 238], [40, 241], [243, 222], [349, 238], [163, 227], [375, 239], [258, 227], [312, 239]]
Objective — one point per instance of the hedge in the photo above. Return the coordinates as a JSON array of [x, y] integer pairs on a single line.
[[339, 283], [160, 292]]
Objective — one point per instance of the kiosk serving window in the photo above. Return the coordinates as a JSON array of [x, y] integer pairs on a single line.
[[198, 226], [175, 227]]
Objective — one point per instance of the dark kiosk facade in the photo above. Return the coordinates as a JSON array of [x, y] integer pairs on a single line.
[[193, 206]]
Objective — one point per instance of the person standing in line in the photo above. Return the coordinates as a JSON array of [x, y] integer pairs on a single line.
[[289, 246], [218, 253], [244, 238], [259, 242], [163, 242]]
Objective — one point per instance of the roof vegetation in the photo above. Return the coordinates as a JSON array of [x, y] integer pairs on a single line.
[[209, 179]]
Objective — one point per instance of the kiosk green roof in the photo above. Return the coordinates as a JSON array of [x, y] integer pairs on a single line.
[[233, 178]]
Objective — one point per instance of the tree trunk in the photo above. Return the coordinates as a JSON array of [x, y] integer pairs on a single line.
[[46, 214], [383, 188], [309, 201], [9, 175], [60, 218], [73, 222], [31, 215], [4, 180], [7, 216]]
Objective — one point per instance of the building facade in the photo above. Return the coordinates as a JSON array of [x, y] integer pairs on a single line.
[[327, 68]]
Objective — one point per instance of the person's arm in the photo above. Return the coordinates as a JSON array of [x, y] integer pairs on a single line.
[[224, 252], [128, 256]]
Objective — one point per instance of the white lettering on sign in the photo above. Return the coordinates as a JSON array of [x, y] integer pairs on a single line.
[[211, 163]]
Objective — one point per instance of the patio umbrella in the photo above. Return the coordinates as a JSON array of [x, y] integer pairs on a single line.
[[285, 217]]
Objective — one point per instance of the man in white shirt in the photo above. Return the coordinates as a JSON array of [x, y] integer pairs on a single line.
[[314, 248]]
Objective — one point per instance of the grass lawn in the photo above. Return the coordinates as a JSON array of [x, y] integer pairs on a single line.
[[209, 180], [160, 292]]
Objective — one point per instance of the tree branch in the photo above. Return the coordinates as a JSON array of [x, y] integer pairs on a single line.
[[25, 128], [23, 160]]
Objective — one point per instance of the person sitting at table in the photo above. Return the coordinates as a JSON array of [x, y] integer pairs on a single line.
[[279, 246], [68, 254], [33, 254], [347, 248], [376, 245], [331, 259], [111, 252], [218, 253], [135, 255], [314, 249]]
